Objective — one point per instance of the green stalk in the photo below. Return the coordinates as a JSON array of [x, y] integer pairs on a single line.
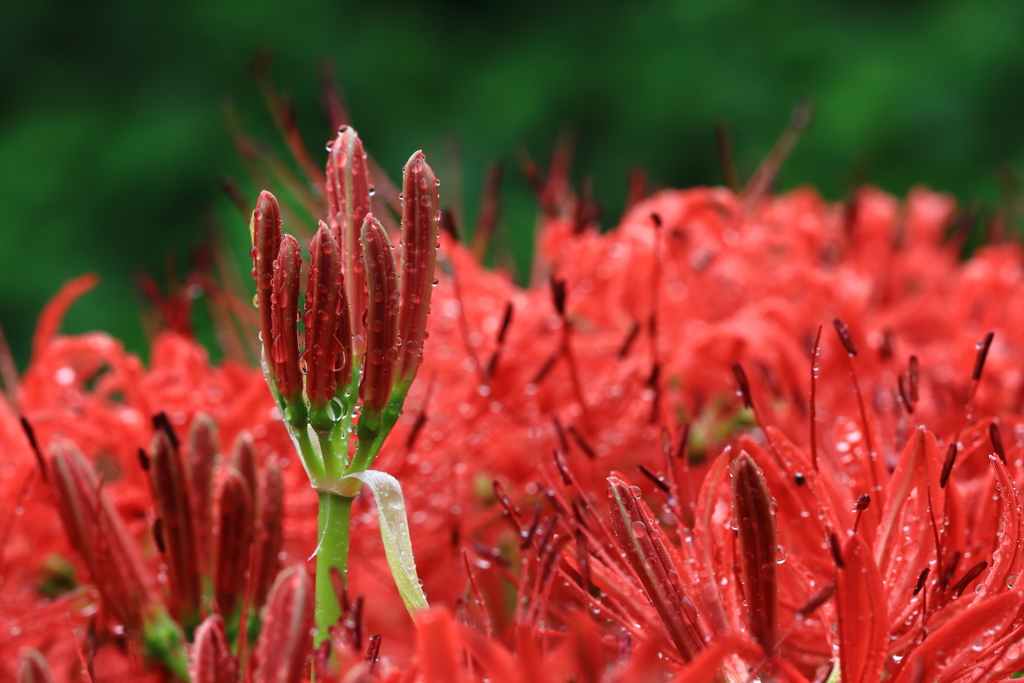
[[332, 551]]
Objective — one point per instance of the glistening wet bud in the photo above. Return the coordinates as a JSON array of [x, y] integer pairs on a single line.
[[171, 492], [382, 318], [265, 230], [269, 534], [284, 641], [348, 202], [210, 659], [97, 535], [758, 550], [284, 357], [202, 448], [419, 257], [323, 305], [233, 541]]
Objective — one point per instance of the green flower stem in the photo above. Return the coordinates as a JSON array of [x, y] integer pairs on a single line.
[[332, 551], [314, 465]]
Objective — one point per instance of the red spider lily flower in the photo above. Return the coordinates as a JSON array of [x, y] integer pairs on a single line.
[[419, 253], [348, 202], [382, 318]]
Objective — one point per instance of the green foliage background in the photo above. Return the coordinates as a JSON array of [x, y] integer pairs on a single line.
[[112, 143]]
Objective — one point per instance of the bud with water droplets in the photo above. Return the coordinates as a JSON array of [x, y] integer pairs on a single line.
[[284, 641], [323, 306], [758, 550], [265, 230], [233, 542], [202, 448], [171, 491], [98, 536], [419, 257], [348, 202], [269, 534], [382, 318], [284, 357], [210, 659]]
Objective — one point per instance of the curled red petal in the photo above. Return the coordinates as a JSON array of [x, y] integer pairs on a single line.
[[863, 618], [758, 550]]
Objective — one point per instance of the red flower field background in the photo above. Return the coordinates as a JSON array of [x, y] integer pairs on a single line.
[[737, 437]]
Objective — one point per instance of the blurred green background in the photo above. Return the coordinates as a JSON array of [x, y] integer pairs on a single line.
[[112, 141]]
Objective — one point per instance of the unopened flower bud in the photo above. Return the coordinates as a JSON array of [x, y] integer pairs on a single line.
[[382, 317], [265, 230], [233, 542], [419, 257], [210, 659], [172, 494], [348, 201], [284, 641], [98, 536], [284, 356], [324, 301], [203, 447], [269, 534]]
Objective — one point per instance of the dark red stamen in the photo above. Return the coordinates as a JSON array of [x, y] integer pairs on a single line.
[[816, 600], [947, 465], [997, 441], [30, 434], [833, 544], [373, 651], [655, 479], [627, 344], [581, 442], [967, 578], [844, 336], [744, 385], [921, 580], [979, 362]]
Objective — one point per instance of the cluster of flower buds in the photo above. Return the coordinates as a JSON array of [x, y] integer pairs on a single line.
[[364, 315], [218, 534]]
